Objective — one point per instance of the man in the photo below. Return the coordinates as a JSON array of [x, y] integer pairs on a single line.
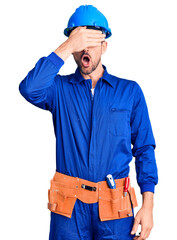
[[96, 117]]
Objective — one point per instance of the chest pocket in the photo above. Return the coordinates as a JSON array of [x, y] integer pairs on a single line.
[[119, 122]]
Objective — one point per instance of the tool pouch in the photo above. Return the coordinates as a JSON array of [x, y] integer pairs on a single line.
[[65, 190], [113, 204], [61, 199]]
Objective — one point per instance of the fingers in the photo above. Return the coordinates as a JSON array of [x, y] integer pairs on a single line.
[[144, 234], [136, 238], [81, 38], [135, 226], [96, 36], [86, 31], [90, 33], [92, 42], [145, 219], [145, 230], [96, 40]]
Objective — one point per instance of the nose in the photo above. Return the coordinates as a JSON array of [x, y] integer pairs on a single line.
[[86, 49]]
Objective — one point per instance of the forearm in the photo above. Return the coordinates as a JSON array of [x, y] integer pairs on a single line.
[[64, 50], [148, 200]]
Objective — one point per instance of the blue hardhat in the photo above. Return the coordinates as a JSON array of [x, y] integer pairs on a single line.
[[90, 16]]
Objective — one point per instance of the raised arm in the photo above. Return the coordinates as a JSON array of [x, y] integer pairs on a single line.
[[39, 86]]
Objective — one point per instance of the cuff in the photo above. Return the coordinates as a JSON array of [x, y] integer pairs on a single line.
[[147, 187], [56, 60]]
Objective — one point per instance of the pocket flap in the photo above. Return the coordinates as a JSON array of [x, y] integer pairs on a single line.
[[125, 213]]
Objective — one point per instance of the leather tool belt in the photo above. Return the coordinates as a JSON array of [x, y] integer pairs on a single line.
[[65, 190]]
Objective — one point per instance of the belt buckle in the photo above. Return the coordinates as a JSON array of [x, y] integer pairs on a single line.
[[88, 187]]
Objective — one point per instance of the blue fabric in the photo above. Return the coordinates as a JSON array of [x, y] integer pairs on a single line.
[[95, 136], [86, 225]]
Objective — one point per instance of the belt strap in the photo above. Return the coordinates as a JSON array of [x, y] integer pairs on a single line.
[[74, 186], [88, 187]]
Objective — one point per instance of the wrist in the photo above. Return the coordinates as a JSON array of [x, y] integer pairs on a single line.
[[64, 50], [148, 200]]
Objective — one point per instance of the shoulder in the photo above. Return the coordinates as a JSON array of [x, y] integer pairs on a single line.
[[64, 78], [126, 84]]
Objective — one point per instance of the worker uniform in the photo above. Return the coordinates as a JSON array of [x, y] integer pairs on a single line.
[[96, 135]]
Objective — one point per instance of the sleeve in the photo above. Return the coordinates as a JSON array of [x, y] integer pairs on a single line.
[[39, 86], [143, 143]]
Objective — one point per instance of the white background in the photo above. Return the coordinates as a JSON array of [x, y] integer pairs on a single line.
[[143, 47]]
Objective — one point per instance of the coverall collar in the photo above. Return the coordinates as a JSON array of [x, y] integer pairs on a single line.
[[78, 77]]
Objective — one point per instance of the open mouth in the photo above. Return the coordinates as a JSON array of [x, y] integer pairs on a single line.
[[85, 60]]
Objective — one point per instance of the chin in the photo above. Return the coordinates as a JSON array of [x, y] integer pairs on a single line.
[[86, 71]]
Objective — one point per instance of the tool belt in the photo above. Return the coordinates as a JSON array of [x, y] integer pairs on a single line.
[[65, 190]]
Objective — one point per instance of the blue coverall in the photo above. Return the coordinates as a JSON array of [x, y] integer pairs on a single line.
[[93, 139]]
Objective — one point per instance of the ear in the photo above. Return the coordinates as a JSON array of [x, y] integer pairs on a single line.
[[104, 46]]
